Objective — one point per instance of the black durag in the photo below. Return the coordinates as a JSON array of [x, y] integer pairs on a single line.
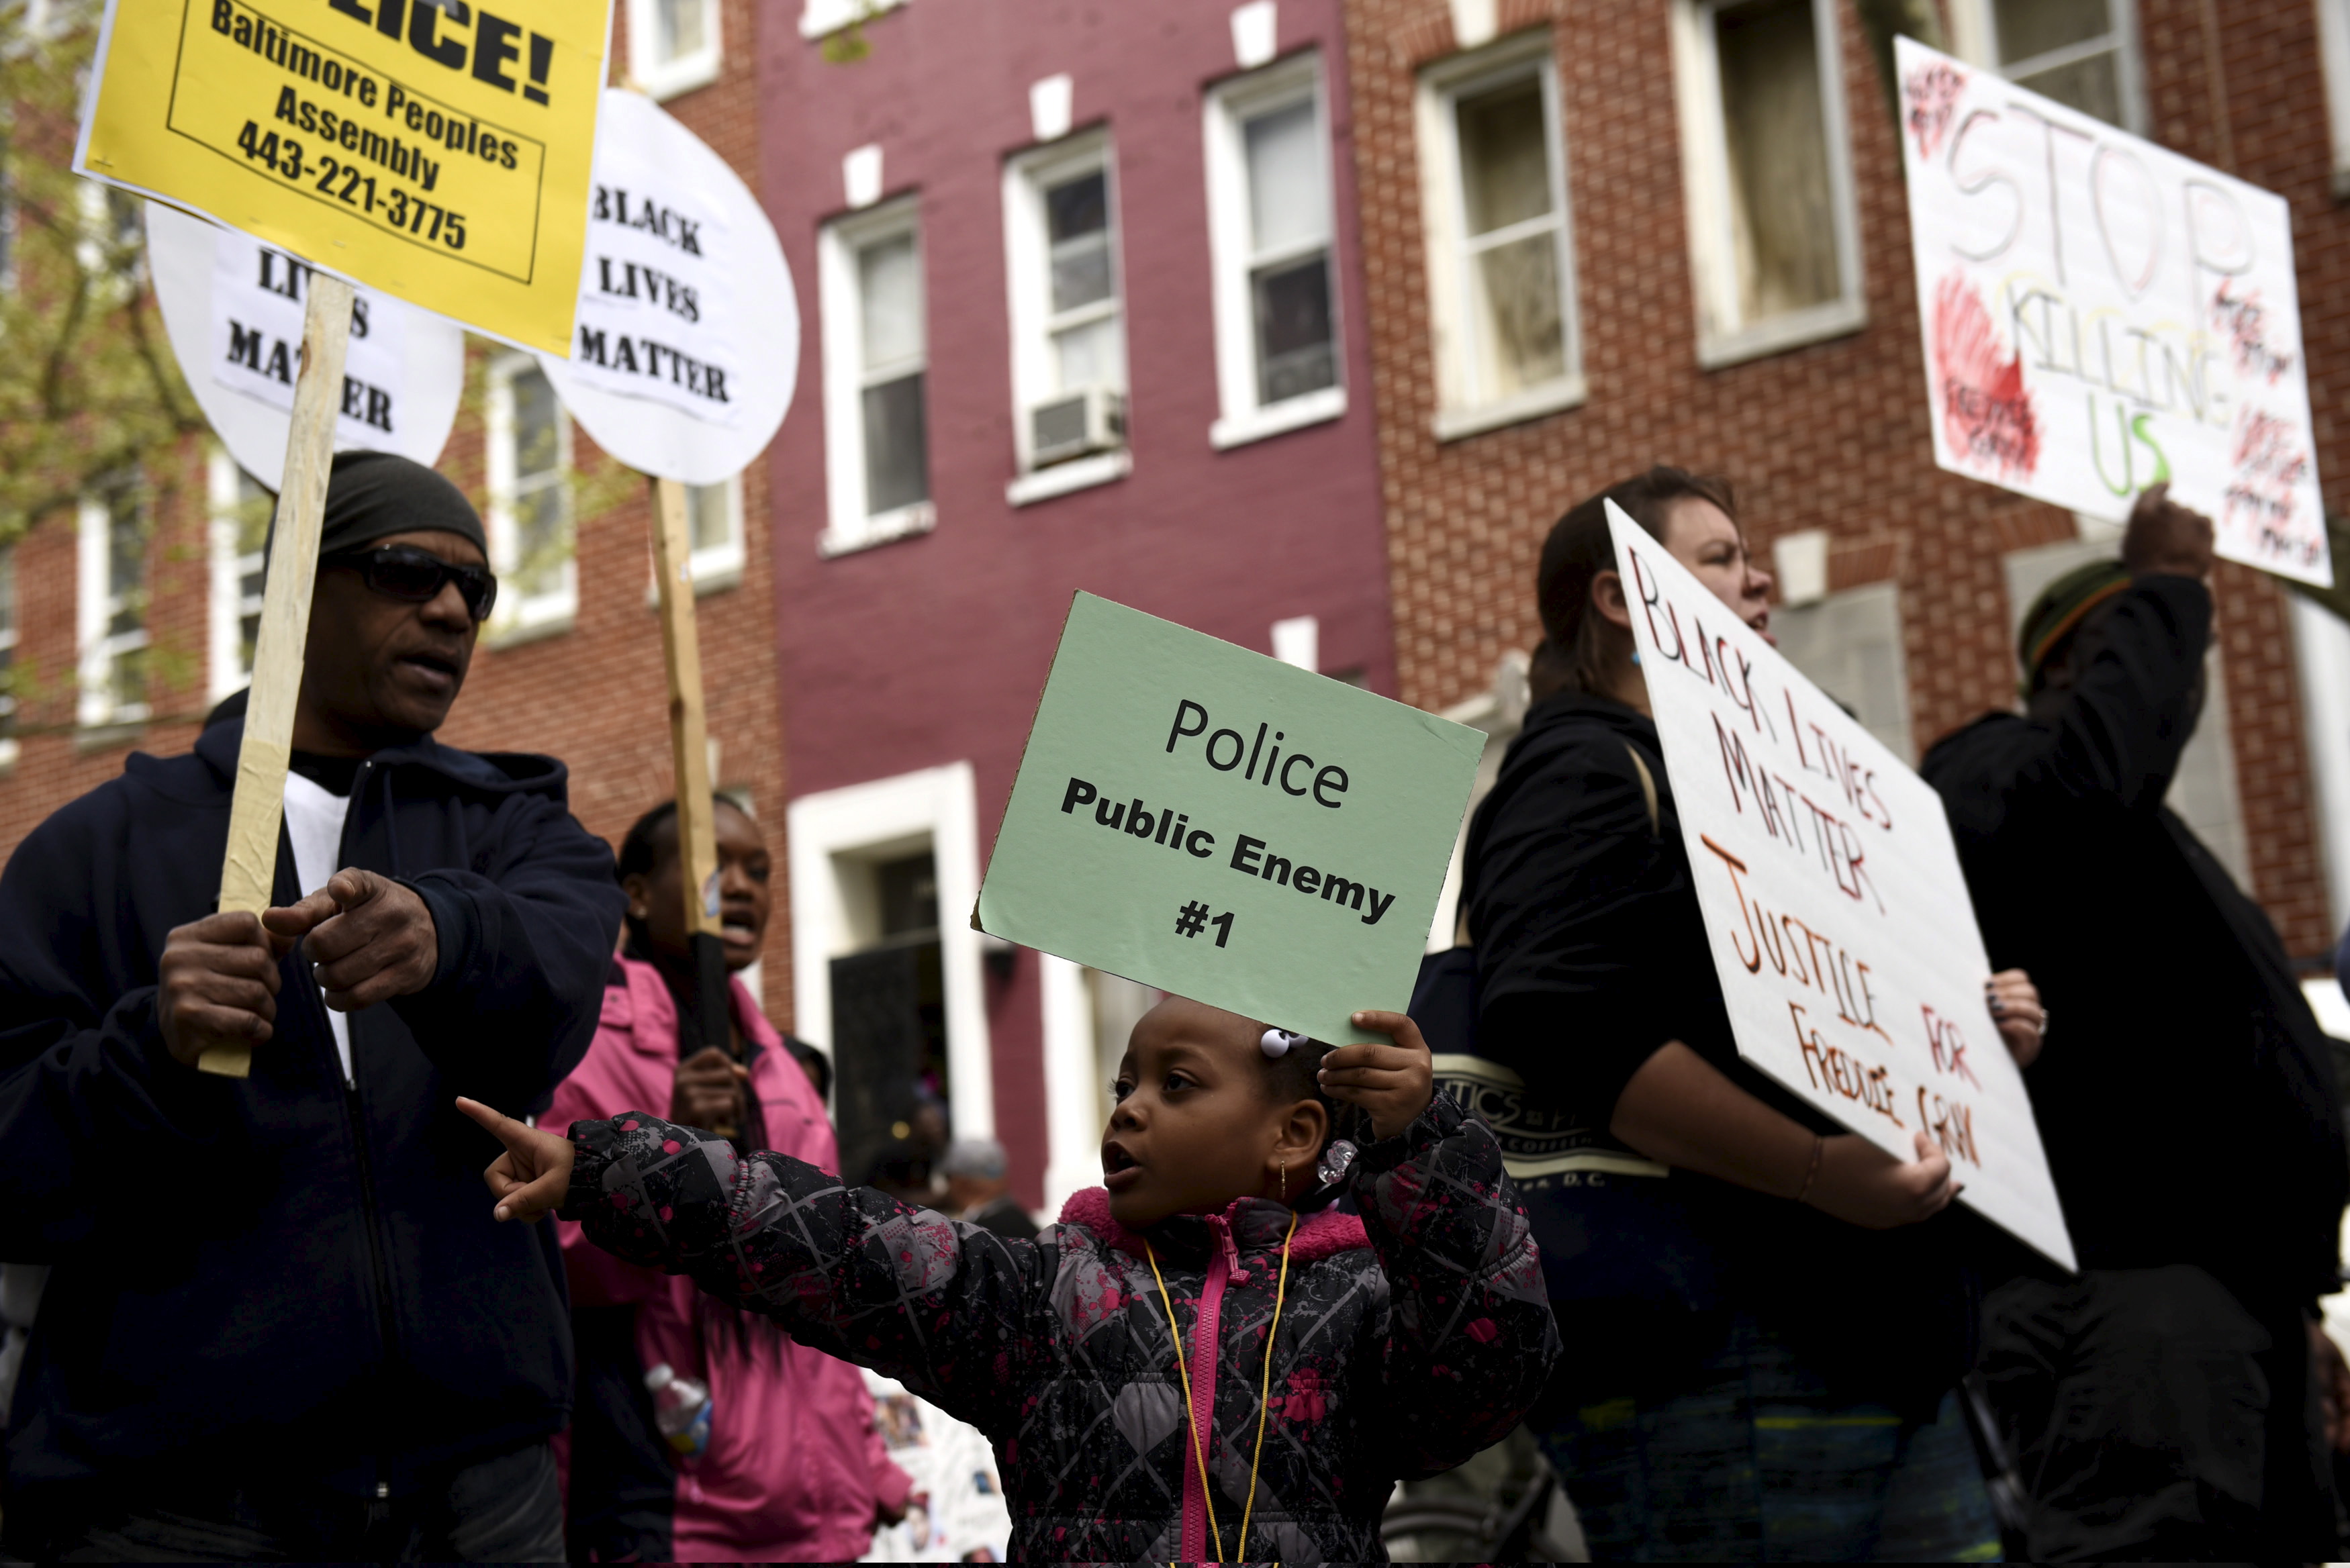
[[370, 495]]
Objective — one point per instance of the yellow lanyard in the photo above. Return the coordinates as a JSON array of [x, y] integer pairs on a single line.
[[1264, 1396]]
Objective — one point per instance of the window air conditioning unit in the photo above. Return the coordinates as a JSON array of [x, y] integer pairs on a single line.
[[1076, 425]]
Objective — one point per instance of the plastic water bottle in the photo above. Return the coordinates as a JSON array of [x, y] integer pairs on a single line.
[[680, 1409]]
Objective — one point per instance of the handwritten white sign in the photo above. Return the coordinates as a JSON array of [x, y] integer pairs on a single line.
[[2101, 314], [1834, 901]]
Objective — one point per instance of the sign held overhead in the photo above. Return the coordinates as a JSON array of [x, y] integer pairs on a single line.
[[436, 151], [2101, 315], [1839, 916], [1218, 824]]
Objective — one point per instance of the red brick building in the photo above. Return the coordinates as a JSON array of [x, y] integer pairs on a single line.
[[123, 642], [1579, 262], [1108, 298]]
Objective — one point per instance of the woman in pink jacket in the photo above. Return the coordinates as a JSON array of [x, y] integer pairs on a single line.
[[791, 1467]]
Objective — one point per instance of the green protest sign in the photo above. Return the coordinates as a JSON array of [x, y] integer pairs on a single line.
[[1225, 826]]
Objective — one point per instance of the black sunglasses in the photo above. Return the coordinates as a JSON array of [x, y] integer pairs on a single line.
[[414, 577]]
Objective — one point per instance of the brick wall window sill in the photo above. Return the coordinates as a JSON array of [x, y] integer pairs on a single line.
[[1279, 419], [535, 631], [1083, 473], [905, 523], [716, 580], [1838, 318], [1452, 424], [91, 738]]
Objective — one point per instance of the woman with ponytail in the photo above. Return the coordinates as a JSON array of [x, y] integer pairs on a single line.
[[741, 1494], [1773, 1315]]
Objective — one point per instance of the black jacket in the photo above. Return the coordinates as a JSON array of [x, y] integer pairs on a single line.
[[1592, 953], [2187, 1095], [279, 1275]]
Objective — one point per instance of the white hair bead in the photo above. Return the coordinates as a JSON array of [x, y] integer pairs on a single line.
[[1276, 1042]]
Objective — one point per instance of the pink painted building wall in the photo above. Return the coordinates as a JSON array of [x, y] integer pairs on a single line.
[[928, 652]]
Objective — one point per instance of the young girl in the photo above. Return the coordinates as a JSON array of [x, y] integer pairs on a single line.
[[1186, 1366]]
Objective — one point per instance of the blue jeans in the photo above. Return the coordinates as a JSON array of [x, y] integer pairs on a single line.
[[1754, 1462], [501, 1510]]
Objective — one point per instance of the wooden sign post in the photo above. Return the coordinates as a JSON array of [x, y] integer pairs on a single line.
[[697, 836], [249, 875], [744, 341]]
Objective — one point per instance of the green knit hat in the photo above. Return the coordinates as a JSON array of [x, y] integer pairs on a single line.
[[2059, 611]]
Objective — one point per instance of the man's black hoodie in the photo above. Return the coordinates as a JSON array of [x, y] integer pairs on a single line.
[[284, 1277], [2186, 1095]]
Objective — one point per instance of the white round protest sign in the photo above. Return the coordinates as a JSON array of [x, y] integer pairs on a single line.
[[233, 307], [688, 337]]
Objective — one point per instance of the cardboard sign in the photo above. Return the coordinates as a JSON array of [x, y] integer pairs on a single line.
[[1834, 901], [2101, 314], [1225, 826], [436, 151], [688, 339], [233, 308]]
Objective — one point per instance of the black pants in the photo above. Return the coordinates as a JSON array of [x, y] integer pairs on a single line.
[[623, 1497], [2154, 1414], [503, 1510]]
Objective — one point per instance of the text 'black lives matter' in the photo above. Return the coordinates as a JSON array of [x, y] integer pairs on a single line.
[[266, 354]]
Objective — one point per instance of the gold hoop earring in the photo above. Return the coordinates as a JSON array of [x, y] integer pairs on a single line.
[[1284, 1179]]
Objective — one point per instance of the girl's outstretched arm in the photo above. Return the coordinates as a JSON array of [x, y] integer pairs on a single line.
[[954, 1312]]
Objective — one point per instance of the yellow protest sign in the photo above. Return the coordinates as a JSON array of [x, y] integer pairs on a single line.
[[436, 149]]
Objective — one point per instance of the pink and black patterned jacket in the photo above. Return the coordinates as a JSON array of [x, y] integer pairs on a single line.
[[1411, 1338]]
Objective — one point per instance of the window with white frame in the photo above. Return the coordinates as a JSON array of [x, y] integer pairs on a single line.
[[7, 653], [1269, 229], [2333, 51], [7, 218], [1849, 643], [530, 500], [241, 511], [45, 19], [1068, 320], [1774, 235], [2082, 52], [819, 19], [111, 248], [865, 861], [111, 601], [876, 359], [713, 520], [674, 44], [1501, 258]]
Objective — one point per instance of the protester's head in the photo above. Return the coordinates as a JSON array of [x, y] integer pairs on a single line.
[[977, 1173], [652, 872], [2063, 623], [403, 586], [1586, 622], [2065, 630], [1204, 1115]]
